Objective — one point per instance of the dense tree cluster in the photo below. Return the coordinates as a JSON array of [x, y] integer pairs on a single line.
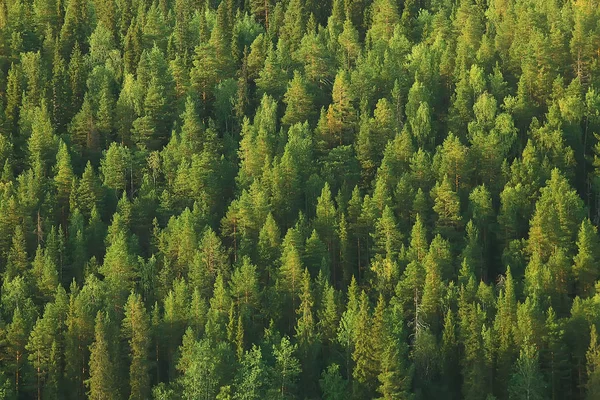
[[299, 199]]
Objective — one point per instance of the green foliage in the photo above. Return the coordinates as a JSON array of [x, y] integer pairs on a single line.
[[136, 328], [103, 381], [527, 381], [302, 199]]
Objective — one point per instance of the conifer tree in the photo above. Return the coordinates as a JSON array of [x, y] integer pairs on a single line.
[[43, 342], [14, 91], [76, 25], [272, 79], [262, 9], [63, 178], [350, 47], [395, 376], [41, 143], [593, 362], [45, 273], [250, 383], [245, 289], [204, 75], [527, 381], [115, 167], [119, 269], [136, 329], [103, 381], [339, 122], [286, 370], [14, 351], [364, 357], [291, 273], [447, 207], [17, 262], [298, 100], [558, 212], [584, 267]]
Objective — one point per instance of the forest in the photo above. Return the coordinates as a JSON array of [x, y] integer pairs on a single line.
[[299, 199]]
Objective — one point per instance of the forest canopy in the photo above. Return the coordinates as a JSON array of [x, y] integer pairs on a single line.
[[299, 199]]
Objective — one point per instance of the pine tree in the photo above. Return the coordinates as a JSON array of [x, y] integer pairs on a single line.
[[558, 213], [105, 116], [204, 74], [306, 333], [63, 178], [554, 360], [115, 167], [191, 129], [44, 339], [239, 338], [447, 207], [220, 303], [60, 96], [332, 384], [337, 125], [211, 259], [286, 370], [527, 381], [76, 27], [298, 100], [221, 39], [80, 334], [290, 272], [453, 162], [348, 323], [386, 237], [245, 289], [395, 376], [15, 349], [325, 221], [262, 9], [433, 287], [272, 79], [317, 59], [88, 194], [449, 350], [584, 267], [14, 91], [102, 383], [45, 273], [418, 115], [136, 329], [506, 319], [593, 362], [418, 245], [17, 262], [316, 257], [328, 315], [41, 143], [385, 17], [350, 45], [268, 244], [473, 363], [250, 382], [78, 73], [119, 269], [366, 361]]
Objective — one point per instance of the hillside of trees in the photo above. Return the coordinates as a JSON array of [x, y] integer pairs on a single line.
[[300, 199]]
